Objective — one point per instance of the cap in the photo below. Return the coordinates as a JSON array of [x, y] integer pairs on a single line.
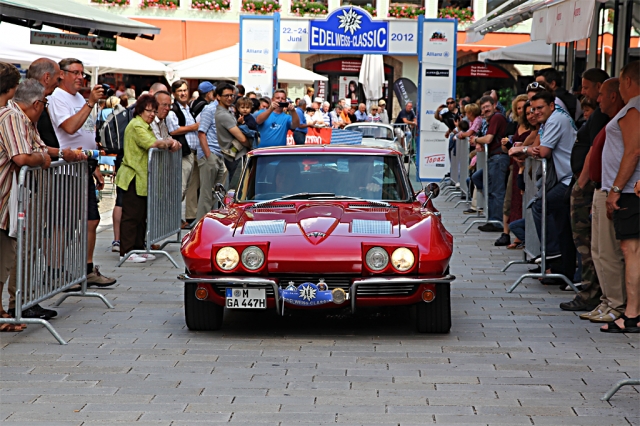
[[206, 87], [318, 99], [381, 102]]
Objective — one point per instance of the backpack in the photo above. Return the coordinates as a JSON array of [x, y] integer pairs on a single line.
[[111, 131]]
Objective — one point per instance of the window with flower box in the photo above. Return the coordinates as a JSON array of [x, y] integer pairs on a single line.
[[368, 5], [456, 9], [408, 9], [306, 7]]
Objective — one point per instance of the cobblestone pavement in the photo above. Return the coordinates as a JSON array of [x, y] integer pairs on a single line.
[[512, 359]]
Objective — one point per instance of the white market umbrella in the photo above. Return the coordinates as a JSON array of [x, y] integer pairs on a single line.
[[16, 48], [531, 52], [223, 65], [372, 78]]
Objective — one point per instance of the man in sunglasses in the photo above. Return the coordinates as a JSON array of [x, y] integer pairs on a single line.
[[75, 127], [552, 80]]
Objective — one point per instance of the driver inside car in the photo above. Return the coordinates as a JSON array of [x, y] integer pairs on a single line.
[[363, 183], [286, 178]]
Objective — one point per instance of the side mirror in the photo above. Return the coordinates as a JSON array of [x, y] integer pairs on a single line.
[[434, 190], [220, 192]]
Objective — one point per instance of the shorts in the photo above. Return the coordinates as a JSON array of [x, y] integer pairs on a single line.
[[626, 221], [119, 192], [92, 200]]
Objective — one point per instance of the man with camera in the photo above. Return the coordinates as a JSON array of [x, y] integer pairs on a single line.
[[75, 127], [274, 122]]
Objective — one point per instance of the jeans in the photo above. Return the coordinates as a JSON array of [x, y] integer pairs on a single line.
[[556, 210], [476, 178], [517, 227], [299, 137], [232, 166], [498, 167]]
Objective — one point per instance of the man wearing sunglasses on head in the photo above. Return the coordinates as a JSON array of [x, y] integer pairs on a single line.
[[75, 127]]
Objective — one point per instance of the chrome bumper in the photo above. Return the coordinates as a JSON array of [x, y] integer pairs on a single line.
[[249, 281]]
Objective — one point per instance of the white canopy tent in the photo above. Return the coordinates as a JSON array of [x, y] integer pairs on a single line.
[[223, 64], [532, 52], [15, 48]]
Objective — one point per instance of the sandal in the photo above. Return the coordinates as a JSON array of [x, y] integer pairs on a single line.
[[630, 326], [10, 328], [515, 245]]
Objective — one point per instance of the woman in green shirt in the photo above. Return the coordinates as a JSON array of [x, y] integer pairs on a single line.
[[132, 177]]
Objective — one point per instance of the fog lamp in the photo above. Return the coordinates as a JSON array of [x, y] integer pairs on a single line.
[[338, 295], [428, 296], [201, 293]]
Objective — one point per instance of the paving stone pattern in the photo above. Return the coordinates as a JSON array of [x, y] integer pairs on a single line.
[[510, 359]]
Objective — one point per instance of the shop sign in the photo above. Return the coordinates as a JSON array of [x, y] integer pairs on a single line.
[[349, 30], [73, 40], [257, 55], [481, 70]]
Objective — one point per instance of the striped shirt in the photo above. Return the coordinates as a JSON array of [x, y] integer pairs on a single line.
[[14, 126]]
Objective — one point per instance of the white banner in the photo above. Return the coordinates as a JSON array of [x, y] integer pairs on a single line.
[[435, 85], [257, 47], [569, 21]]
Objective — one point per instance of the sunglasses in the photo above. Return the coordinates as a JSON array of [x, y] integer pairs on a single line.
[[45, 103], [451, 102], [535, 86], [151, 110]]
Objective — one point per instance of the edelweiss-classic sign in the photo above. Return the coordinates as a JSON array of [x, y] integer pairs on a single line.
[[348, 29]]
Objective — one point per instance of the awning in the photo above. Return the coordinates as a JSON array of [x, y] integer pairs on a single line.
[[533, 52], [15, 48], [223, 65], [72, 16], [556, 21]]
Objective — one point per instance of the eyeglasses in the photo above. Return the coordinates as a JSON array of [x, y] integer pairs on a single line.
[[535, 109], [164, 105], [45, 103], [151, 110], [451, 102], [75, 73], [230, 95], [535, 86]]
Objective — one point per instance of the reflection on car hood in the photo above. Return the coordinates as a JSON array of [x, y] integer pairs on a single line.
[[316, 221]]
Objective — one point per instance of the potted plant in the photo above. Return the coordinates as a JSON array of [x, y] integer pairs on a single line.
[[261, 7], [404, 11], [463, 15], [303, 7], [160, 4], [211, 5]]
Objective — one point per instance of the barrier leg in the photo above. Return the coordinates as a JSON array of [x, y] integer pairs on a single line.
[[516, 262], [616, 387], [52, 330], [82, 293]]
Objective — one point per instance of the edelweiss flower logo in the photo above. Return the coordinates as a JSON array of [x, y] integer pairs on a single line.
[[350, 21], [307, 292]]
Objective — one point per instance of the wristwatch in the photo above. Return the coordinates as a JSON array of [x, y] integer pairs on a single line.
[[616, 189], [524, 150]]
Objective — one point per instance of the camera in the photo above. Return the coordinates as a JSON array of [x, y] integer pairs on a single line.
[[283, 104], [108, 91]]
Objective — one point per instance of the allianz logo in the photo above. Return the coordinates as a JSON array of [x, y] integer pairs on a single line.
[[440, 54]]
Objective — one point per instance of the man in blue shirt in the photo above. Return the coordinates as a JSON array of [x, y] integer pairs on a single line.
[[210, 161], [300, 133], [361, 113], [274, 122]]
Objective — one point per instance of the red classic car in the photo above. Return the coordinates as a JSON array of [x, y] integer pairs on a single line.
[[320, 227]]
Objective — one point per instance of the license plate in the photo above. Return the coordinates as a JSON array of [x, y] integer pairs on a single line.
[[246, 298]]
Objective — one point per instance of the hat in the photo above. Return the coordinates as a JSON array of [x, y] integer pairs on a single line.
[[381, 102], [206, 87], [318, 100]]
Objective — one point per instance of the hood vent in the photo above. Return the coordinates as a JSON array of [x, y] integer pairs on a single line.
[[371, 227], [262, 227], [270, 208]]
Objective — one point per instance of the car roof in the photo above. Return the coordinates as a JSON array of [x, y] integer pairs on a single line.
[[324, 149], [369, 123]]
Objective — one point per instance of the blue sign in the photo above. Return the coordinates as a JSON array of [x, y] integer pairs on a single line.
[[348, 29], [307, 294]]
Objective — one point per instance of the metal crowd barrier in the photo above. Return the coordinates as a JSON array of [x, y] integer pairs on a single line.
[[543, 239], [532, 242], [164, 203], [482, 200], [616, 387], [409, 142], [52, 238], [462, 152]]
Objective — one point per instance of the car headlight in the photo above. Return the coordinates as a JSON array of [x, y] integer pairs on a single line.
[[377, 258], [252, 258], [227, 258], [402, 259]]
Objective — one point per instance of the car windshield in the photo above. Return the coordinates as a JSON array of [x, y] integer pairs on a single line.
[[322, 176], [376, 132]]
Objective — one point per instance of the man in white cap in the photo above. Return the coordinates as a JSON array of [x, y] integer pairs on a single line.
[[384, 116]]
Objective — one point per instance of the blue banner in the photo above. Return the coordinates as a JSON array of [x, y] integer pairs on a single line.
[[348, 29]]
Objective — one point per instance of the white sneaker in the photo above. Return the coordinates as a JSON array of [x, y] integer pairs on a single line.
[[134, 258], [147, 256]]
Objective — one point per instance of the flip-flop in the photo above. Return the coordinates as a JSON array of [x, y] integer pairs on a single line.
[[630, 326], [10, 328], [514, 245]]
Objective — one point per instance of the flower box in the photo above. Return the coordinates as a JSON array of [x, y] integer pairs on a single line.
[[260, 7], [211, 5], [112, 3], [160, 4], [300, 8], [463, 15], [404, 11]]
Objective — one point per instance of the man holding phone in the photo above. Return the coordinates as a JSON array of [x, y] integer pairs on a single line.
[[274, 122]]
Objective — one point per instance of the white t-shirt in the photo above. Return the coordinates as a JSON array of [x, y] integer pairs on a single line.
[[63, 105]]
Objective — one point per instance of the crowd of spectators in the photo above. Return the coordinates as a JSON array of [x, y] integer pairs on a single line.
[[592, 146]]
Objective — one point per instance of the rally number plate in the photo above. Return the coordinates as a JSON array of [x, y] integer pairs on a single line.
[[246, 298]]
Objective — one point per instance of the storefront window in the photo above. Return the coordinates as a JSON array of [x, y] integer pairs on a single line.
[[368, 5], [494, 4]]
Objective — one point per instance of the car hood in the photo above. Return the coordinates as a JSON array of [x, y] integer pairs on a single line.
[[317, 221]]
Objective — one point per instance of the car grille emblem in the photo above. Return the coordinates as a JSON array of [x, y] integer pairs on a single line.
[[316, 234], [307, 292]]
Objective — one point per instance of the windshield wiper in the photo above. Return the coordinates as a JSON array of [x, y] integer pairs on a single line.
[[347, 197], [300, 195]]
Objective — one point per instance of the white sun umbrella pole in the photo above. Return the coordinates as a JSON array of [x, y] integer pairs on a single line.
[[372, 78]]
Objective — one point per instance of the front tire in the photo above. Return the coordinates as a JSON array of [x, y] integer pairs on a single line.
[[200, 315], [435, 317]]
